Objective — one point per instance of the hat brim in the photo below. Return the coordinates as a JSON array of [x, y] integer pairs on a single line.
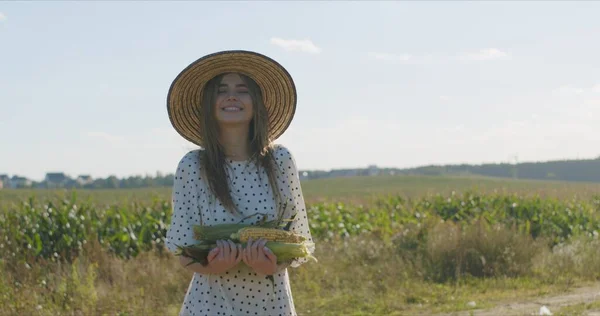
[[185, 94]]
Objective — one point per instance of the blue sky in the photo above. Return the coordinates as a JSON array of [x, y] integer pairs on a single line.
[[396, 84]]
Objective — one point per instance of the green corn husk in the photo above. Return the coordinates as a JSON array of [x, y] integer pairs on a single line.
[[210, 234], [289, 251], [284, 251]]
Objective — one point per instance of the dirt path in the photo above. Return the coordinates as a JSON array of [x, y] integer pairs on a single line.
[[532, 306]]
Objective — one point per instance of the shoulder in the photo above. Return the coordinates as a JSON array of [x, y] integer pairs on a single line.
[[283, 156], [281, 152], [191, 159]]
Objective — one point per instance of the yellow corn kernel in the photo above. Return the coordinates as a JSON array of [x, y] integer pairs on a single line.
[[270, 234]]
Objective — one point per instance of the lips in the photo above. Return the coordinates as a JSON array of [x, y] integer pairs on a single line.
[[232, 108]]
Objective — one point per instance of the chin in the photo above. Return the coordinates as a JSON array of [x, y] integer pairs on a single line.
[[233, 121]]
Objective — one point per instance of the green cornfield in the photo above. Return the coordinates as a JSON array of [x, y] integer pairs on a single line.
[[55, 229], [390, 245]]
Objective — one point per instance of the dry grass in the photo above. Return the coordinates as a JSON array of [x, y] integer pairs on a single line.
[[96, 283], [359, 275], [576, 258]]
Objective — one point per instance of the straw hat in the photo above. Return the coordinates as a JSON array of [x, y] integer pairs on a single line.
[[185, 94]]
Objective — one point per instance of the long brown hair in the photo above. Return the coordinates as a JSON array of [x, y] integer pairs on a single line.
[[213, 157]]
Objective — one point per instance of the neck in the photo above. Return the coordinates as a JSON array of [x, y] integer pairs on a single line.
[[235, 142]]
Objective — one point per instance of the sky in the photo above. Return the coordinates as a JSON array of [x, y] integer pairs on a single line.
[[83, 85]]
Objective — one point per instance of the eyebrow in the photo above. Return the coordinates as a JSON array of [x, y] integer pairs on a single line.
[[243, 85]]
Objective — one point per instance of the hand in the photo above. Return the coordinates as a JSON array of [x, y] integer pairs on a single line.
[[259, 257], [224, 257]]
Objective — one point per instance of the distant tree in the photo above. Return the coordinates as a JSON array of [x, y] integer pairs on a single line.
[[112, 182]]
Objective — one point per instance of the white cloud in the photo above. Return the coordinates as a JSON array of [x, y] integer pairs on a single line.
[[596, 88], [445, 98], [390, 57], [568, 90], [482, 55], [485, 54], [305, 45], [2, 17], [405, 58], [113, 139]]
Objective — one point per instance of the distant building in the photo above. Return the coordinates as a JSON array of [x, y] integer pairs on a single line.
[[56, 179], [84, 180], [19, 182], [4, 181]]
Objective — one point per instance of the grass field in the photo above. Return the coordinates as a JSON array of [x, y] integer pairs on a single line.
[[361, 188], [386, 245], [350, 189]]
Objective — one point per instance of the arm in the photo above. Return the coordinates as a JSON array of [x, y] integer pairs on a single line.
[[217, 264], [195, 267], [291, 194], [184, 198], [187, 212], [290, 181]]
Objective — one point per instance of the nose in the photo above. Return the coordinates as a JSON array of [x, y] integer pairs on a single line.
[[232, 96]]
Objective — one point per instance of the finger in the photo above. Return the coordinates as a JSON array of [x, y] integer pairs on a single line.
[[227, 249], [260, 255], [255, 251], [262, 244], [272, 257], [249, 250], [240, 254], [249, 246], [212, 254], [245, 256], [233, 251], [222, 250]]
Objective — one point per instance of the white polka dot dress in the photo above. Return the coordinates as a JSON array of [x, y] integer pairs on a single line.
[[239, 291]]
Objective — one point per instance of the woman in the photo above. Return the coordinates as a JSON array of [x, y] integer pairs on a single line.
[[233, 105]]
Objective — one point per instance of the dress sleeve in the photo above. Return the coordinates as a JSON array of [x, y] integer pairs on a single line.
[[290, 181], [185, 206]]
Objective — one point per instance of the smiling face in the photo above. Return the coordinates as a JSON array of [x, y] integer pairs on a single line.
[[233, 102]]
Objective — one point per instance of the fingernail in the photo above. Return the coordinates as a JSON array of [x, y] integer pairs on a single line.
[[266, 249]]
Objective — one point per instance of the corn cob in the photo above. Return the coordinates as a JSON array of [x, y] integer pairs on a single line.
[[217, 232], [283, 251], [289, 251], [224, 231], [270, 234]]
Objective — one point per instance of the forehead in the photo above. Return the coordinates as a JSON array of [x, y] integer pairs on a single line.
[[232, 78]]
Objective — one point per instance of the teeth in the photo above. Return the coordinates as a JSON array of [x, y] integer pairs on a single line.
[[231, 109]]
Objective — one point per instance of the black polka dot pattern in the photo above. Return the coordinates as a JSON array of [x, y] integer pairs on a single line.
[[239, 291]]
